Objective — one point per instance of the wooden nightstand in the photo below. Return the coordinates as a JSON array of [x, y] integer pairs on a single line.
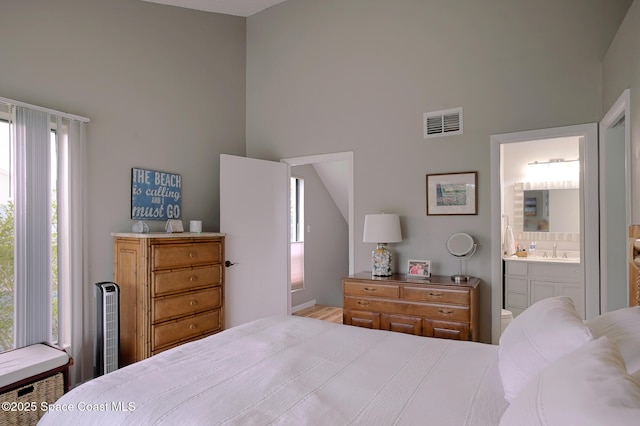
[[434, 307]]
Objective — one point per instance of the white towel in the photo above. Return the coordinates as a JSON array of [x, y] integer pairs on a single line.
[[509, 246]]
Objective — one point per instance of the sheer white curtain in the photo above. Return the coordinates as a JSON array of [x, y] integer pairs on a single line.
[[297, 265], [70, 138], [32, 227], [33, 242]]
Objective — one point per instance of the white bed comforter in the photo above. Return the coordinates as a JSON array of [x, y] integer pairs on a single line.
[[295, 371]]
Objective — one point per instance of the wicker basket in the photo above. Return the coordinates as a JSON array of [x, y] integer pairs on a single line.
[[25, 403]]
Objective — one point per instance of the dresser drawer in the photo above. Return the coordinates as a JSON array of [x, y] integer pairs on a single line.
[[185, 255], [447, 312], [165, 282], [368, 304], [446, 330], [437, 295], [353, 288], [428, 310], [362, 319], [185, 328], [165, 308], [401, 324]]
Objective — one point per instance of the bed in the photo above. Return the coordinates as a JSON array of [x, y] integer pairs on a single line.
[[293, 370]]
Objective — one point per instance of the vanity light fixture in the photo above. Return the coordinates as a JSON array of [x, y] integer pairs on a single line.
[[551, 161], [555, 169]]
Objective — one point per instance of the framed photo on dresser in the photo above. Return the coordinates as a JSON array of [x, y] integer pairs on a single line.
[[419, 268]]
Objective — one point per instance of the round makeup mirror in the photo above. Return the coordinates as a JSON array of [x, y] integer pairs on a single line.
[[462, 246]]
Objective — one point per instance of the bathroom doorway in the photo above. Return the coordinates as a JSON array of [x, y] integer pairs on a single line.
[[586, 239]]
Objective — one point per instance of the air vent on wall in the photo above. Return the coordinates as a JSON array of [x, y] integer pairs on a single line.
[[443, 123]]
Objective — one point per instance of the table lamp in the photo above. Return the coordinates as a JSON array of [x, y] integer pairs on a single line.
[[381, 229]]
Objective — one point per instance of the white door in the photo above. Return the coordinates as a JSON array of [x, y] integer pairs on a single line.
[[254, 215]]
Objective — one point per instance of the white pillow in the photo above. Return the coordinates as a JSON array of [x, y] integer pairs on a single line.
[[541, 334], [589, 386], [623, 327]]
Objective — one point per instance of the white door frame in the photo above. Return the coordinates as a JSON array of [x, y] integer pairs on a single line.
[[589, 256], [621, 108], [326, 158]]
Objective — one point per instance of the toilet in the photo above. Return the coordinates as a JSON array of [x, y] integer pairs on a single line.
[[505, 318]]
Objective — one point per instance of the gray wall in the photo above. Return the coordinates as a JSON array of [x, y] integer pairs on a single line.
[[164, 88], [326, 246], [334, 75], [621, 70]]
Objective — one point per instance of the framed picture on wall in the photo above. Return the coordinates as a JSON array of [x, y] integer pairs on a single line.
[[452, 194]]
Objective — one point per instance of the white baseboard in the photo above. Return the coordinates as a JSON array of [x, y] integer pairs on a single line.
[[302, 306]]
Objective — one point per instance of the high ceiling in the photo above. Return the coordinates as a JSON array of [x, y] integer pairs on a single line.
[[228, 7]]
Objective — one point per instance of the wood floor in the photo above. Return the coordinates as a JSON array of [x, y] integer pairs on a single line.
[[321, 312]]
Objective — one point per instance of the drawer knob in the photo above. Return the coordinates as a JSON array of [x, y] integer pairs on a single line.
[[362, 303], [191, 254], [192, 326], [445, 311], [193, 278], [193, 302], [370, 289], [435, 294]]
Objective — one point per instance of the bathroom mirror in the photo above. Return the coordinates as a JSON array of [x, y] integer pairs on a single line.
[[535, 210], [551, 210], [544, 208]]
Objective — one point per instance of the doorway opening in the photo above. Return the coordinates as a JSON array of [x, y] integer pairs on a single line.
[[587, 270], [327, 228], [296, 231]]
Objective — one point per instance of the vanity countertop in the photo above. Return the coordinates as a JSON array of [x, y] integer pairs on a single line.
[[544, 259]]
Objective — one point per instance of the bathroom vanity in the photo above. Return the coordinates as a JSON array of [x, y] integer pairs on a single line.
[[529, 279]]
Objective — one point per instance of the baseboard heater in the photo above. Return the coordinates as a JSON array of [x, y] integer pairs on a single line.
[[107, 343]]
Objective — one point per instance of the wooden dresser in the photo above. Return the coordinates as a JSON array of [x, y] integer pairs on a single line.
[[171, 290], [435, 307]]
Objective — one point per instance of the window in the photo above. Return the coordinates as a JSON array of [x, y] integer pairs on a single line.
[[297, 209], [296, 221], [10, 329], [6, 241]]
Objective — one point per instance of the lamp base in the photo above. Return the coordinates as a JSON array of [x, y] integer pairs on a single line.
[[459, 278], [381, 262]]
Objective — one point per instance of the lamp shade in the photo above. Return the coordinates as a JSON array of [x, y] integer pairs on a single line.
[[382, 228]]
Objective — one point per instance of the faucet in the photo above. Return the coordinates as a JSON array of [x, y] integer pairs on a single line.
[[555, 246]]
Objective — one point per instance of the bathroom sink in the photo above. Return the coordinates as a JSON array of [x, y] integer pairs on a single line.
[[546, 259], [556, 259]]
